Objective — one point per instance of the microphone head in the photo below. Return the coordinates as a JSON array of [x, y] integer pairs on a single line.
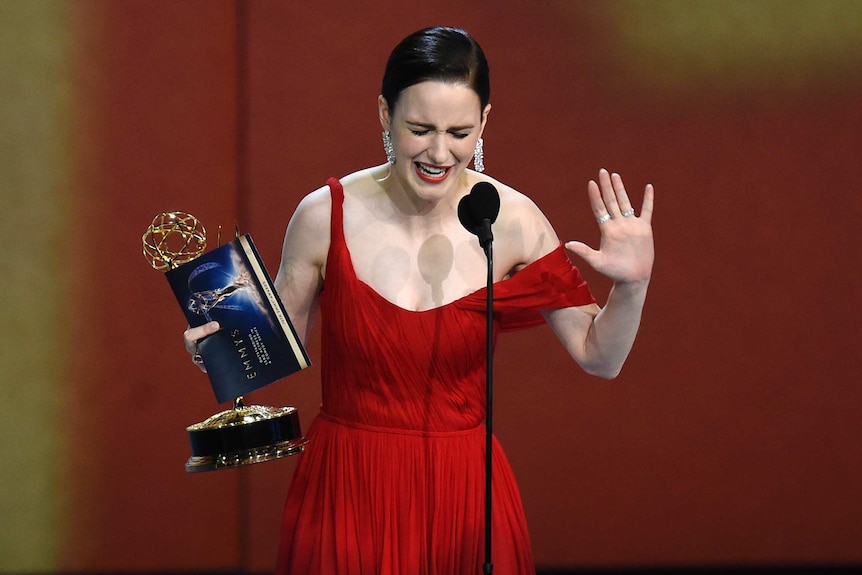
[[484, 202], [465, 215], [478, 210]]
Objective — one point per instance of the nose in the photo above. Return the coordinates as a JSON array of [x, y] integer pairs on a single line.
[[438, 149]]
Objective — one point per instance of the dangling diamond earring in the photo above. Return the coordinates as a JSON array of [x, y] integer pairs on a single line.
[[479, 156], [387, 147]]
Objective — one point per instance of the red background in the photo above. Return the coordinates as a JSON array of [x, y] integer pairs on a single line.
[[732, 435]]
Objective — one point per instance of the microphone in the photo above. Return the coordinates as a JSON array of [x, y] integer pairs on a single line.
[[478, 210]]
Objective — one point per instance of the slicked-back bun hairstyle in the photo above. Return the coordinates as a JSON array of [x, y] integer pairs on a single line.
[[439, 53]]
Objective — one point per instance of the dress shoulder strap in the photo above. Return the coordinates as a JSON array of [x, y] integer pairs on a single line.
[[336, 218]]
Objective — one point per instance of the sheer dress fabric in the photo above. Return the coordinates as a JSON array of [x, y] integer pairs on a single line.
[[392, 480]]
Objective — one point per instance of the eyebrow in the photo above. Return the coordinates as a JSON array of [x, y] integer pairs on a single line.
[[432, 127]]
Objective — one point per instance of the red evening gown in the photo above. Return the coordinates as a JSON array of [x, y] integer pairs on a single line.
[[392, 479]]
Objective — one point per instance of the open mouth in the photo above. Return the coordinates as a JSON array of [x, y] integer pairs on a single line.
[[432, 174]]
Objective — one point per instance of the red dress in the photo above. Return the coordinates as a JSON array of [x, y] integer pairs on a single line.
[[392, 479]]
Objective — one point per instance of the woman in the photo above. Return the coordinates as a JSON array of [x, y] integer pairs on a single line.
[[392, 480]]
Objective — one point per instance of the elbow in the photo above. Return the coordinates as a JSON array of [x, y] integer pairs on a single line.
[[607, 374], [602, 370], [595, 363], [603, 365]]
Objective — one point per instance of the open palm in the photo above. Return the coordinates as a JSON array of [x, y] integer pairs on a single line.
[[626, 251]]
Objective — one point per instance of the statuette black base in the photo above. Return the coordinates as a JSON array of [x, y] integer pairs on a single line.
[[244, 435]]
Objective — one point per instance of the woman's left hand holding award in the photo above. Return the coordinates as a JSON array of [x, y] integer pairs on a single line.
[[255, 346]]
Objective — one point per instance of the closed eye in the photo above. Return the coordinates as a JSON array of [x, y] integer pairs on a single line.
[[422, 129], [458, 135]]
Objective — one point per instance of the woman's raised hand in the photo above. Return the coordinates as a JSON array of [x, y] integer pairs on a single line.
[[626, 250]]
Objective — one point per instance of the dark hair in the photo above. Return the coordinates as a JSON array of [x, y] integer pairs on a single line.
[[438, 53]]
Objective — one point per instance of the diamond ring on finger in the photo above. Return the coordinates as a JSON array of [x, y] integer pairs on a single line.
[[196, 356]]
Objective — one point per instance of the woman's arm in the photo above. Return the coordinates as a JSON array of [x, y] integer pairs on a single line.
[[303, 259], [601, 339], [300, 275]]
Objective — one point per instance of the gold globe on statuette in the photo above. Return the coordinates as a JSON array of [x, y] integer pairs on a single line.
[[174, 238], [243, 435]]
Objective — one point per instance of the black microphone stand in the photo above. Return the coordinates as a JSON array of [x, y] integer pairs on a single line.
[[486, 240], [476, 212]]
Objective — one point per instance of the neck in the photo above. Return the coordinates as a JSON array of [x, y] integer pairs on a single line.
[[411, 207]]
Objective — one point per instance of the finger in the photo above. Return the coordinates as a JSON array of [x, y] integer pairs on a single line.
[[646, 207], [609, 195], [194, 334], [596, 202], [625, 205], [582, 250]]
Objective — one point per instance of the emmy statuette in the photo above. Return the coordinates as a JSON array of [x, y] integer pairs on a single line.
[[244, 434]]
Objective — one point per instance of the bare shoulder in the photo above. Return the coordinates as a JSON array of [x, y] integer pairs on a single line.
[[307, 235], [513, 203], [314, 208], [526, 231], [312, 215]]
